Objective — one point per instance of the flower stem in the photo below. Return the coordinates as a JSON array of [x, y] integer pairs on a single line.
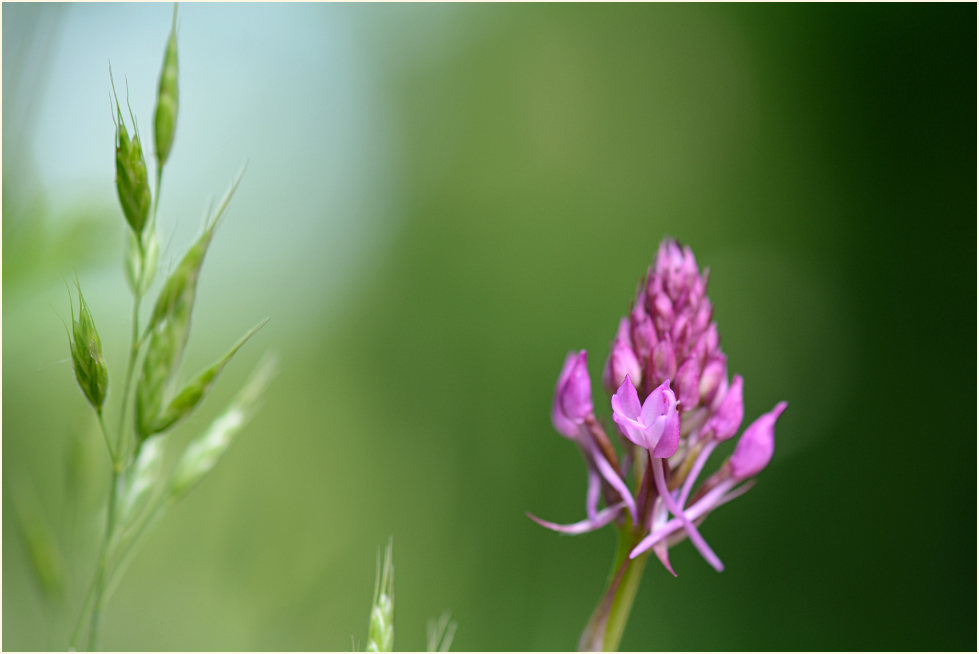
[[607, 624], [108, 442], [99, 584], [133, 352]]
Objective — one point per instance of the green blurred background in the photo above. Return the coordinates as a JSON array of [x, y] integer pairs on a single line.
[[440, 202]]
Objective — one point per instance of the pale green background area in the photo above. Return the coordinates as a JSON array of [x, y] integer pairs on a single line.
[[440, 202]]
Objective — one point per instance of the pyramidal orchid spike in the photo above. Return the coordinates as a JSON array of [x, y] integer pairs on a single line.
[[668, 342]]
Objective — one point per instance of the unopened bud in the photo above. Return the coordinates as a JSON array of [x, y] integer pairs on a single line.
[[621, 362], [714, 372], [664, 362], [687, 384], [756, 445], [572, 397], [729, 414], [643, 333]]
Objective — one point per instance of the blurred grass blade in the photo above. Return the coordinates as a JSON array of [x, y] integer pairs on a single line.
[[187, 400], [380, 633], [440, 633], [42, 548], [203, 453], [139, 481]]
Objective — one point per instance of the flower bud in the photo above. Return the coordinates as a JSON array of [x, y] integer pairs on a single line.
[[86, 354], [729, 414], [664, 361], [132, 184], [572, 397], [663, 312], [705, 311], [643, 333], [166, 102], [687, 384], [715, 371], [621, 362], [756, 445]]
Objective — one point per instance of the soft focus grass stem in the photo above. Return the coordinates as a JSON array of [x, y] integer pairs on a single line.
[[99, 595]]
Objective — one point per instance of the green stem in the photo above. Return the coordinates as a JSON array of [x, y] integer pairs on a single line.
[[76, 634], [99, 584], [622, 603], [108, 441], [127, 554], [607, 624], [133, 353]]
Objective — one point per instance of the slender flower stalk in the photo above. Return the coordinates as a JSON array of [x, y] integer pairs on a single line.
[[672, 405]]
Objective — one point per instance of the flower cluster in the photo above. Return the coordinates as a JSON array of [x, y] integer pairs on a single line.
[[672, 405]]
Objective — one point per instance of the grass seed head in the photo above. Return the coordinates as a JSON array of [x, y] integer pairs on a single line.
[[191, 396], [86, 354], [166, 101], [169, 327], [132, 183], [380, 633], [203, 453]]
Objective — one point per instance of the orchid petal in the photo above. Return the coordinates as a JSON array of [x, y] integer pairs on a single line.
[[614, 480], [601, 519], [594, 490], [695, 537], [663, 554]]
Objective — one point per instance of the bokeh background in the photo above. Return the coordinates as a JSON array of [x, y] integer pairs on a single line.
[[440, 202]]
